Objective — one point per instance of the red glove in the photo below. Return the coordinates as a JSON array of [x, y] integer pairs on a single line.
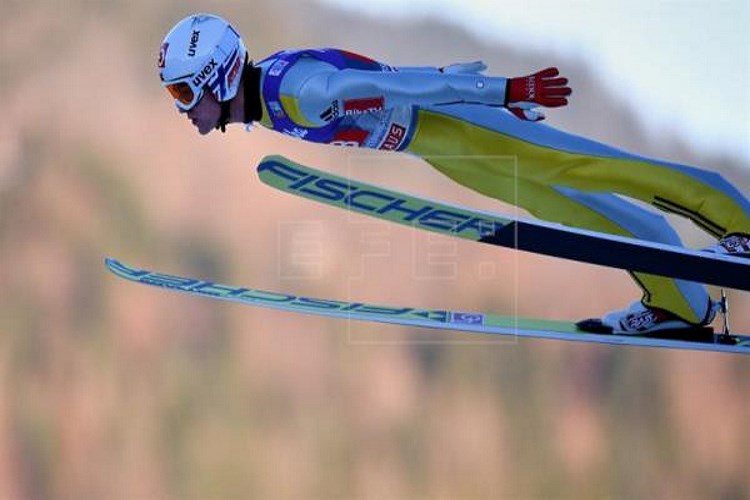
[[540, 89]]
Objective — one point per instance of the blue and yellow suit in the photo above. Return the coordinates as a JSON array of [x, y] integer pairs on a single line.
[[454, 119]]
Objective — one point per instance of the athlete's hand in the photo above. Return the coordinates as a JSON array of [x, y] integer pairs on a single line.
[[543, 88]]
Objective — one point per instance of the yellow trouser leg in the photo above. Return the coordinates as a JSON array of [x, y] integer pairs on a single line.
[[703, 198], [469, 161]]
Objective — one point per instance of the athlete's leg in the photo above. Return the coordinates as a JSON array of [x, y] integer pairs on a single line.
[[598, 212], [467, 158], [551, 157]]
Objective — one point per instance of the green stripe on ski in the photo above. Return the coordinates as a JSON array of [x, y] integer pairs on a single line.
[[341, 192], [531, 324]]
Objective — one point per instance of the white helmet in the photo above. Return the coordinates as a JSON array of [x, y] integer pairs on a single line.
[[201, 51]]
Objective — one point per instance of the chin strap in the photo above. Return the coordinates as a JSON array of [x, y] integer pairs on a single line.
[[223, 117]]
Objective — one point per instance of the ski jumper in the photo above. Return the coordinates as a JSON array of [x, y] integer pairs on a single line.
[[453, 118]]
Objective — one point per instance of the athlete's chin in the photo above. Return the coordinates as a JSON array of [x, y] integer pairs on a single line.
[[203, 129]]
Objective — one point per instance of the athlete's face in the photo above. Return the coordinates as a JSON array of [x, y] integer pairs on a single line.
[[205, 115]]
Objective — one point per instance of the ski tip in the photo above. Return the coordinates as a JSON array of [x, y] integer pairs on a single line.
[[113, 264], [123, 270], [270, 159]]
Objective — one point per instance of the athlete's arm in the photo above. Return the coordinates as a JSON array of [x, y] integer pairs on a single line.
[[359, 91], [406, 87]]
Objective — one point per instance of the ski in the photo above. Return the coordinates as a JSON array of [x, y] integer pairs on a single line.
[[534, 236], [474, 322]]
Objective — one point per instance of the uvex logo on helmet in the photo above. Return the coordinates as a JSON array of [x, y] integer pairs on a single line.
[[194, 43], [200, 78]]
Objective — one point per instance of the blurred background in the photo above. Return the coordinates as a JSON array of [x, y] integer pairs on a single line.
[[114, 390]]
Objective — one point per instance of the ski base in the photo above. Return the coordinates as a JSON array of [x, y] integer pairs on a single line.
[[474, 322]]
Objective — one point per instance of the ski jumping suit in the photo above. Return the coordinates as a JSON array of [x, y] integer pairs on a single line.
[[453, 118]]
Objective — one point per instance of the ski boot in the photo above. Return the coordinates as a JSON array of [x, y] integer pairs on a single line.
[[639, 319], [735, 245]]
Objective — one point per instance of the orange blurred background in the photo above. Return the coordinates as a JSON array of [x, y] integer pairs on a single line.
[[112, 390]]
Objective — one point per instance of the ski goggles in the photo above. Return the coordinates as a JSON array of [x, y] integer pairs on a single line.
[[185, 95]]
